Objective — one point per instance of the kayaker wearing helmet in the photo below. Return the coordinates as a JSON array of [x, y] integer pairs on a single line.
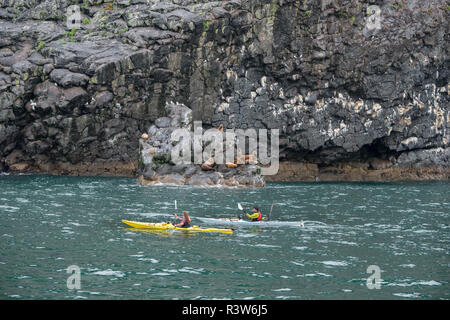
[[185, 221], [256, 215]]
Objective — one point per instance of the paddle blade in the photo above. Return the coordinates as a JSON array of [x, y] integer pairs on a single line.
[[240, 207], [176, 205]]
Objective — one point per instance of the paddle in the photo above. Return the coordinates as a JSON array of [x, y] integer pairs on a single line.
[[175, 214], [240, 208], [270, 213]]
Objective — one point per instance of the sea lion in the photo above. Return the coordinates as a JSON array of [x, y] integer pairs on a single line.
[[230, 165], [208, 164], [251, 159]]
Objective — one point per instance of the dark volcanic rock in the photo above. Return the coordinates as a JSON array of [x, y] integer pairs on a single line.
[[340, 85], [66, 78]]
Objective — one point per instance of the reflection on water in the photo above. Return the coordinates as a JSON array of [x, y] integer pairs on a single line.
[[164, 233]]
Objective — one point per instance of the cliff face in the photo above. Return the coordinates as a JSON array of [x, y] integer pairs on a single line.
[[356, 93]]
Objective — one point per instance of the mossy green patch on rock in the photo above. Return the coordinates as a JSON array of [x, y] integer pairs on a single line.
[[40, 46]]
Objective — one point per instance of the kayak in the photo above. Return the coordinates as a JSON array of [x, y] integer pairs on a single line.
[[169, 226], [248, 222]]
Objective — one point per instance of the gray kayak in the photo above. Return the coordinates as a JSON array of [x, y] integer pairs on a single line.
[[252, 223]]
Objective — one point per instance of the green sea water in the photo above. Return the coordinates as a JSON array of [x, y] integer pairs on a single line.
[[50, 223]]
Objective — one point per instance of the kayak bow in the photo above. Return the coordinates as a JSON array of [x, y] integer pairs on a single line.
[[169, 226]]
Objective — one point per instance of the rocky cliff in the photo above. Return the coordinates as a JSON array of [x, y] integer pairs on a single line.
[[167, 155], [359, 89]]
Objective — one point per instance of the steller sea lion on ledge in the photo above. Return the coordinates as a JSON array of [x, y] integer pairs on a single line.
[[230, 165], [208, 164], [246, 159]]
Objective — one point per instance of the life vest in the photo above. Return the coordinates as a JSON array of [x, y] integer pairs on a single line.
[[259, 217], [185, 223]]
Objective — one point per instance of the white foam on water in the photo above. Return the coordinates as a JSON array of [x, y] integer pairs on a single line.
[[282, 289], [261, 245], [76, 224], [54, 204], [191, 270], [161, 274], [335, 263], [437, 249], [9, 208], [109, 272], [170, 270], [91, 292], [320, 274], [154, 214], [407, 295], [424, 231], [247, 235], [418, 283], [428, 283], [149, 259], [347, 243]]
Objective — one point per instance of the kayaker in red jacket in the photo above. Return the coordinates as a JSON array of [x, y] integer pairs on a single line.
[[185, 221]]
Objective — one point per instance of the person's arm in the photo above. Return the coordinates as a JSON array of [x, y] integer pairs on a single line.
[[182, 223]]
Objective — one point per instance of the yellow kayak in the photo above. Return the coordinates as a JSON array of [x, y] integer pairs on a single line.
[[169, 226]]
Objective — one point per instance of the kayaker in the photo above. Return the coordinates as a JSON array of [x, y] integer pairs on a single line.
[[185, 221], [256, 215]]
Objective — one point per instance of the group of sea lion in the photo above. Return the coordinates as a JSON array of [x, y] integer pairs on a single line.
[[240, 159], [209, 164]]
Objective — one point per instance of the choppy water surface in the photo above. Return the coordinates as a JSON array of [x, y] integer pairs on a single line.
[[49, 223]]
